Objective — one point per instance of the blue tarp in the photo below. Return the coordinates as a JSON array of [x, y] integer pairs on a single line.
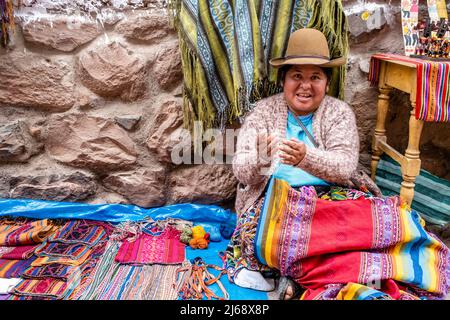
[[213, 218], [207, 215], [211, 256]]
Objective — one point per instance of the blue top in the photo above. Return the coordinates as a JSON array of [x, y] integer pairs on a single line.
[[296, 176]]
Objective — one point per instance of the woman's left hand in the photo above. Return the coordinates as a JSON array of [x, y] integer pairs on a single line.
[[292, 151]]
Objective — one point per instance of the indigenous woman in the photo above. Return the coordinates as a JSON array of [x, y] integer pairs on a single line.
[[296, 162]]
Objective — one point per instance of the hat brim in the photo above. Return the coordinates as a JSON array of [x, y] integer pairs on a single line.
[[321, 62]]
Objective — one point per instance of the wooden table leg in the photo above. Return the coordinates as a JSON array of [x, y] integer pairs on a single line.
[[380, 128], [411, 167]]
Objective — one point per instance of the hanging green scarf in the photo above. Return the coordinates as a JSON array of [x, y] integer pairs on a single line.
[[226, 46]]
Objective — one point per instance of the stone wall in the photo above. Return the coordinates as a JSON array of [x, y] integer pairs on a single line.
[[90, 105]]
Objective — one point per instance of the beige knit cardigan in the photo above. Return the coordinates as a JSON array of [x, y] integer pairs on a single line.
[[335, 160]]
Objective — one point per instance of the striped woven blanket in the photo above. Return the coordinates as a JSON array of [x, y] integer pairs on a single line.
[[14, 268], [431, 194], [80, 232], [433, 85], [375, 242], [226, 47], [26, 233]]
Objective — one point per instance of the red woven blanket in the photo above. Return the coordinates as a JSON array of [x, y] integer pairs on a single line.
[[165, 248]]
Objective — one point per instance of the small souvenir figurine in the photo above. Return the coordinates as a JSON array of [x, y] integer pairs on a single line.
[[427, 28], [422, 46], [427, 47], [445, 49], [442, 28]]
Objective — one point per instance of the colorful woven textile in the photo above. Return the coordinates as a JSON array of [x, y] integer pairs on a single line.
[[44, 260], [17, 253], [113, 281], [431, 193], [80, 232], [63, 250], [165, 248], [240, 252], [153, 283], [28, 233], [366, 241], [14, 268], [356, 291], [56, 271], [226, 47], [55, 281], [433, 85]]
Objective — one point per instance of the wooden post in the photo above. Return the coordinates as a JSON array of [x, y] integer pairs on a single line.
[[411, 167], [380, 127]]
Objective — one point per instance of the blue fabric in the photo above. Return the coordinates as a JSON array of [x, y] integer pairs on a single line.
[[292, 175], [211, 217]]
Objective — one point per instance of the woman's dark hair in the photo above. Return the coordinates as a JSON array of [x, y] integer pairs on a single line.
[[284, 69]]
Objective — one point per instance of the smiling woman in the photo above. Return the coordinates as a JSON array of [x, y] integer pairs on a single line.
[[304, 88], [296, 157]]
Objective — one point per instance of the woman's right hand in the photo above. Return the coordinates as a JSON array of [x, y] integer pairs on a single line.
[[267, 147]]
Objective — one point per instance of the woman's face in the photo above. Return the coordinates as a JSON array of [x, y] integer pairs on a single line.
[[304, 88]]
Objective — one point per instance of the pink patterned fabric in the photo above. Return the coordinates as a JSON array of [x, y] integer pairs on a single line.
[[17, 253], [165, 248]]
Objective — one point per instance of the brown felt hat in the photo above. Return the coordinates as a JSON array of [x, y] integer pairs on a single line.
[[308, 46]]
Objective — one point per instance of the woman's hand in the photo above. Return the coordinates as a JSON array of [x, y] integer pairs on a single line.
[[292, 151], [267, 147]]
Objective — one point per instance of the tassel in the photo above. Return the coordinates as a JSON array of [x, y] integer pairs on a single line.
[[7, 20], [196, 279], [326, 15]]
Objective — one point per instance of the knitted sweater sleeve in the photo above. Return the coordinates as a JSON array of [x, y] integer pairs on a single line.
[[246, 165], [338, 158]]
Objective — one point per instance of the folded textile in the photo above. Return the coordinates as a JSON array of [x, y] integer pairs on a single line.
[[27, 233], [63, 250], [44, 260], [14, 268], [165, 248], [79, 232], [46, 288], [56, 271], [7, 285], [17, 253], [4, 296]]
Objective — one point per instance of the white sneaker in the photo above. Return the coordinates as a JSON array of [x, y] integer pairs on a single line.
[[253, 280]]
